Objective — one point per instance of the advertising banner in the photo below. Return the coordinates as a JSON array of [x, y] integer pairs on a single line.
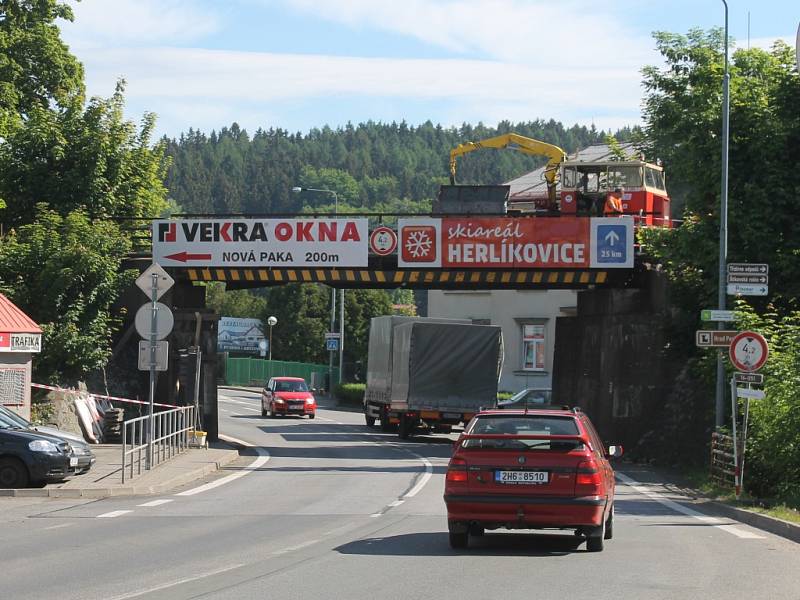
[[235, 242], [516, 243], [239, 335]]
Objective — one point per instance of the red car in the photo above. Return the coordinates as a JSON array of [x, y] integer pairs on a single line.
[[287, 396], [530, 469]]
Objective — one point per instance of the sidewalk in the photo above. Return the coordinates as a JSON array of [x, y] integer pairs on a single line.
[[105, 477]]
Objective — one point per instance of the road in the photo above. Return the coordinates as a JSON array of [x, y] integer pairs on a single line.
[[329, 509]]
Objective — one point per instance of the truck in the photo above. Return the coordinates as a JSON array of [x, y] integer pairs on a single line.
[[430, 374]]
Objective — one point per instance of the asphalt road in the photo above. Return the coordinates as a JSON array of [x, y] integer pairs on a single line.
[[329, 509]]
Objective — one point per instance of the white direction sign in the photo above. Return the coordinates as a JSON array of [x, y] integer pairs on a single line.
[[164, 320], [163, 281], [233, 242], [748, 393], [747, 289], [162, 355], [748, 268], [749, 351]]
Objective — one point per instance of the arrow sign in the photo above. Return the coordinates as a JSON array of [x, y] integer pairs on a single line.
[[748, 268], [612, 238], [747, 289], [185, 256]]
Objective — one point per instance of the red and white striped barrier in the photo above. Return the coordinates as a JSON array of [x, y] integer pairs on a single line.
[[117, 398]]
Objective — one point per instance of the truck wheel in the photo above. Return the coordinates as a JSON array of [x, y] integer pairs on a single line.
[[369, 420], [386, 426], [13, 473], [406, 427]]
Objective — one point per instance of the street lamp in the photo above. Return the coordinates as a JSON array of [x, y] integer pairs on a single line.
[[272, 321], [297, 190], [723, 231]]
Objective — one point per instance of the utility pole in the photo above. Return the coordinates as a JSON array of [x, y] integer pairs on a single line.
[[723, 231]]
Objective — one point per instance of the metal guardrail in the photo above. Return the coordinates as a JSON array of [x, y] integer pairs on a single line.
[[723, 465], [171, 437]]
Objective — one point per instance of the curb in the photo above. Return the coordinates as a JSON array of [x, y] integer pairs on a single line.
[[784, 529], [133, 490]]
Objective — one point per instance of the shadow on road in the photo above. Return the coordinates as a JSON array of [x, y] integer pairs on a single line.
[[490, 544]]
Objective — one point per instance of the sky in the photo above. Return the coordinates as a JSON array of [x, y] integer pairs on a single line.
[[303, 64]]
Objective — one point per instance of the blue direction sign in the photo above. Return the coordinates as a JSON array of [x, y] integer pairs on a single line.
[[332, 344], [612, 243]]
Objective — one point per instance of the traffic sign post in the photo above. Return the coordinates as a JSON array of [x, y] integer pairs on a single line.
[[714, 338], [748, 279], [709, 314], [748, 378], [749, 351]]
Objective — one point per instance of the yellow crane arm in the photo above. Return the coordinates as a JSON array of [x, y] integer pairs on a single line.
[[516, 142]]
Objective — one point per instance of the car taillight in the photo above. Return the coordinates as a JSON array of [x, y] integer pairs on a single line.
[[457, 471], [588, 479]]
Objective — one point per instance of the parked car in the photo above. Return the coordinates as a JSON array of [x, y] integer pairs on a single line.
[[531, 469], [287, 396], [31, 458], [80, 447], [528, 398]]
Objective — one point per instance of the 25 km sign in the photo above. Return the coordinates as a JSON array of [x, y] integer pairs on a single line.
[[749, 351]]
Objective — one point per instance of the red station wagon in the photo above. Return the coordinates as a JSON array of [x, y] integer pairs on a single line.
[[287, 396], [530, 469]]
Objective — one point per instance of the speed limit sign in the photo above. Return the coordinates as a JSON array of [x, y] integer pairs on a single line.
[[749, 351]]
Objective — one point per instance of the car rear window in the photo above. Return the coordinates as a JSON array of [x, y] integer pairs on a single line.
[[511, 426]]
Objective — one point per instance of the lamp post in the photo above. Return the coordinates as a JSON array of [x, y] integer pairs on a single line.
[[272, 321], [299, 190], [723, 231]]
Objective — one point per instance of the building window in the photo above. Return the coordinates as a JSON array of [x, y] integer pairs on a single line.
[[533, 348]]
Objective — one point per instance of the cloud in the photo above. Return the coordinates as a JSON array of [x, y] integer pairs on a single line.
[[100, 22], [520, 31]]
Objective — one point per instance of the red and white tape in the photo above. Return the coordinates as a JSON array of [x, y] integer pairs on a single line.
[[117, 398]]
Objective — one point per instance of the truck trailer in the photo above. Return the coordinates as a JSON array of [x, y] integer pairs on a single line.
[[430, 374]]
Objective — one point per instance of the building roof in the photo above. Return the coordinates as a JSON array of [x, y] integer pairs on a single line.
[[533, 184], [13, 320]]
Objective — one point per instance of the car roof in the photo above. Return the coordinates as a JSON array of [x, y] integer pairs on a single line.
[[288, 379], [530, 412]]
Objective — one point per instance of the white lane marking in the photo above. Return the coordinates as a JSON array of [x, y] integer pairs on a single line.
[[685, 510], [263, 457], [423, 480], [396, 503], [165, 586], [157, 502], [114, 513], [58, 526]]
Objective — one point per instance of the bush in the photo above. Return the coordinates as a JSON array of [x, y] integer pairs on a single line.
[[351, 393]]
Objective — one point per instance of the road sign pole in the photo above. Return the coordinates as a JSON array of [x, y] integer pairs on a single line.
[[744, 443], [734, 406], [330, 352], [153, 346], [341, 335]]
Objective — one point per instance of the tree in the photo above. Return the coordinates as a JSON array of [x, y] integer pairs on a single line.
[[65, 273], [302, 311], [36, 67], [234, 303]]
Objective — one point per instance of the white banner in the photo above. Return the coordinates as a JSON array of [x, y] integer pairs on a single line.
[[240, 243]]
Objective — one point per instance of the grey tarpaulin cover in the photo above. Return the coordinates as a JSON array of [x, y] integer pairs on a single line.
[[379, 363], [446, 366]]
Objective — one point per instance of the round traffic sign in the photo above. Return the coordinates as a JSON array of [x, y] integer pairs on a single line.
[[748, 351], [164, 320], [383, 240]]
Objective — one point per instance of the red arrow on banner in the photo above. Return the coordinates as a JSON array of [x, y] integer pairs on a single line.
[[184, 256]]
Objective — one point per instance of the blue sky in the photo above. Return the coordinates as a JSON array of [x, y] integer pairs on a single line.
[[300, 64]]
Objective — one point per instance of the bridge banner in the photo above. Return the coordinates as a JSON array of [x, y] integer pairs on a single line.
[[516, 242], [234, 242]]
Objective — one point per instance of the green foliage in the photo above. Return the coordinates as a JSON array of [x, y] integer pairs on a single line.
[[360, 307], [78, 158], [773, 446], [350, 393], [234, 303], [303, 313], [372, 167], [36, 67], [65, 272]]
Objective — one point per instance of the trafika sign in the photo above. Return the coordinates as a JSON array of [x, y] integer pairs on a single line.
[[261, 243]]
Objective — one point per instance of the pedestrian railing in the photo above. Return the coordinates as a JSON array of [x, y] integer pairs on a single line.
[[172, 432]]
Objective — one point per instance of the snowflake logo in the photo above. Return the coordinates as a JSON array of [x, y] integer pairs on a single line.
[[418, 244]]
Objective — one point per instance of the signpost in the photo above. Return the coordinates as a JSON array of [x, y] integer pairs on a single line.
[[748, 279], [714, 338], [748, 378], [749, 351], [709, 314], [161, 323]]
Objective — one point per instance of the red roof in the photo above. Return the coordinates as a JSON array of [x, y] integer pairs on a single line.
[[13, 320]]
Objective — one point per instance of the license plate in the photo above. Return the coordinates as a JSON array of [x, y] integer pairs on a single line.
[[516, 477], [73, 462]]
